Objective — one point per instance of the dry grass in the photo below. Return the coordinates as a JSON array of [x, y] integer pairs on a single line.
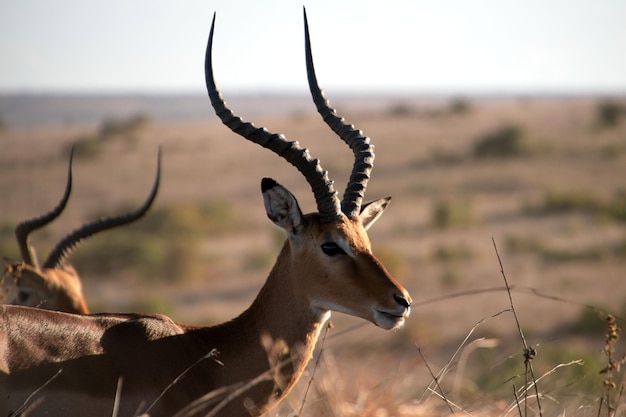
[[424, 157]]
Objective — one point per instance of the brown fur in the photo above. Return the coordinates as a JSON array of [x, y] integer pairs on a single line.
[[275, 335], [48, 288]]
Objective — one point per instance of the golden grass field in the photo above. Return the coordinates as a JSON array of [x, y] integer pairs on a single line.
[[555, 207]]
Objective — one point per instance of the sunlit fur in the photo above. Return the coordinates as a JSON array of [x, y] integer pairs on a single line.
[[57, 289]]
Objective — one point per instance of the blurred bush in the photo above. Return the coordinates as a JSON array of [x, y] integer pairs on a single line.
[[112, 127], [583, 201], [163, 246], [553, 364], [616, 208], [444, 253], [85, 146], [552, 253], [588, 323], [192, 221], [506, 141], [89, 145], [8, 244], [450, 277], [557, 202], [400, 109], [608, 113], [459, 106], [452, 214], [395, 261]]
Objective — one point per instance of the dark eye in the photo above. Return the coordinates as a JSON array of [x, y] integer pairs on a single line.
[[23, 296], [332, 249]]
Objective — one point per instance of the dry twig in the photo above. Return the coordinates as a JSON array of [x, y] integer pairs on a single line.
[[529, 352], [436, 379], [329, 326]]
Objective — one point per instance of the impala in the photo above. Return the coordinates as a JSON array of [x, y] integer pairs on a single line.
[[61, 364], [56, 285]]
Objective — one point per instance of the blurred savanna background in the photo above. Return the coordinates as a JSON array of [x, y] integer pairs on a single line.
[[526, 182]]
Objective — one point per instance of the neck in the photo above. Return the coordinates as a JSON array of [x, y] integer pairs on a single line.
[[277, 335], [287, 325]]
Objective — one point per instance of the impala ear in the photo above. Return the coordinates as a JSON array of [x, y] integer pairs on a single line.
[[281, 206], [371, 211]]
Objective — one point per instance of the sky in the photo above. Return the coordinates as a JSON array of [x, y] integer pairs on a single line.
[[435, 46]]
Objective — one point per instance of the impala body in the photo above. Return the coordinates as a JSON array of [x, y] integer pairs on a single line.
[[56, 285], [149, 352], [60, 364]]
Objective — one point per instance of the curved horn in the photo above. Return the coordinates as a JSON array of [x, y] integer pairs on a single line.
[[360, 145], [23, 229], [322, 186], [63, 249]]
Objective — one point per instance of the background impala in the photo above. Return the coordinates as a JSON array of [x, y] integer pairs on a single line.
[[56, 285]]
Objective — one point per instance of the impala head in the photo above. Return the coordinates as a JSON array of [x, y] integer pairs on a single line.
[[331, 246], [50, 289], [56, 285]]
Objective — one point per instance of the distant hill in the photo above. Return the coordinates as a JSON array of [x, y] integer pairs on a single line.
[[30, 110], [37, 110]]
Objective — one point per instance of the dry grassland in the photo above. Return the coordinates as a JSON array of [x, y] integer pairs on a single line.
[[552, 209]]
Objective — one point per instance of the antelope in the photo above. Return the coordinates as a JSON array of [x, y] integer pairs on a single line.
[[56, 285], [61, 364]]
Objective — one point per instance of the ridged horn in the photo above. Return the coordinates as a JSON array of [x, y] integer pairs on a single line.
[[23, 230], [65, 247], [321, 185], [360, 145]]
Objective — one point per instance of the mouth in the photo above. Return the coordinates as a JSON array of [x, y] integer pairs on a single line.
[[389, 320]]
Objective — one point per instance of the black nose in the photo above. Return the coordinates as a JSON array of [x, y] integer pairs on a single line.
[[401, 299]]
